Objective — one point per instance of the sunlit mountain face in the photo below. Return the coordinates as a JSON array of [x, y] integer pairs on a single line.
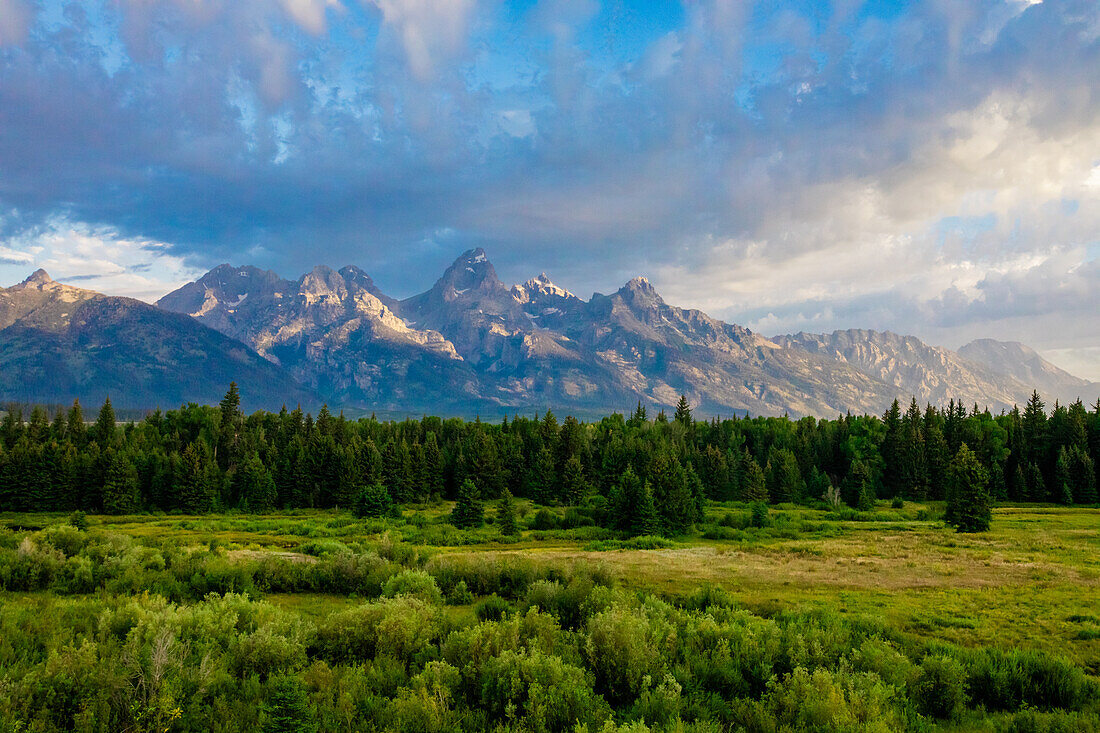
[[919, 168]]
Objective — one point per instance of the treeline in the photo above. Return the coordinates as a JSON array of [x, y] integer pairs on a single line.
[[634, 473]]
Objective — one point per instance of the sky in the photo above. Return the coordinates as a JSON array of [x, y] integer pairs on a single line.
[[930, 168]]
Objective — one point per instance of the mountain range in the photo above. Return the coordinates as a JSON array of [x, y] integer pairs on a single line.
[[474, 345]]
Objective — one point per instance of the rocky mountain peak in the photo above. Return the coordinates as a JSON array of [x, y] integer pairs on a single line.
[[640, 293], [38, 277], [323, 281], [543, 285], [471, 271]]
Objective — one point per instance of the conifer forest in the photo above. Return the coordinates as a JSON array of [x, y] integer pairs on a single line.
[[202, 569]]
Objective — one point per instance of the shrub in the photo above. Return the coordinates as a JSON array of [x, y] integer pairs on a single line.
[[493, 608], [79, 520], [831, 701], [546, 692], [460, 595], [414, 583], [939, 688], [623, 647], [759, 515], [1002, 680], [399, 628]]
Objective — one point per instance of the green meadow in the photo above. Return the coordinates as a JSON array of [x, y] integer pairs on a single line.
[[318, 620]]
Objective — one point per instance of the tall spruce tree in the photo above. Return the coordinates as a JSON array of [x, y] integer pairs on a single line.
[[506, 514], [969, 502], [468, 511]]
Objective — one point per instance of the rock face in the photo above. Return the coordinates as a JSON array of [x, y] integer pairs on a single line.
[[335, 332], [988, 373], [1014, 360], [59, 343], [472, 344]]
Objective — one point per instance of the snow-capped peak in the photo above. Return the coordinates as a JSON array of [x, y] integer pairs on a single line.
[[543, 285]]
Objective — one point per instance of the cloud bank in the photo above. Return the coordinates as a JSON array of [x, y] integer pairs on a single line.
[[931, 168]]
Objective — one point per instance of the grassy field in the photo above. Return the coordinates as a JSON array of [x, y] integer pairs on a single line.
[[1033, 582]]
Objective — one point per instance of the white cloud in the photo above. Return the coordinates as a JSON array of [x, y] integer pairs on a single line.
[[431, 31], [96, 258]]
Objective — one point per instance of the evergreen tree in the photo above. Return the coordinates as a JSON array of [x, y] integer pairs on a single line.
[[683, 412], [286, 707], [1082, 476], [624, 501], [574, 485], [198, 487], [506, 514], [120, 485], [646, 520], [1063, 483], [541, 477], [372, 502], [104, 430], [229, 427], [468, 511], [1036, 486], [75, 428], [253, 485], [753, 487], [969, 502], [699, 497], [432, 467], [857, 488], [783, 476]]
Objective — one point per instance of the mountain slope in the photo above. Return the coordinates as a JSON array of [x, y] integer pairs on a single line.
[[334, 332], [473, 344], [1017, 361], [58, 343], [1001, 376]]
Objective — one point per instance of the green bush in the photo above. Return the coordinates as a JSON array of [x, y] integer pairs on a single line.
[[939, 687], [414, 583], [493, 608]]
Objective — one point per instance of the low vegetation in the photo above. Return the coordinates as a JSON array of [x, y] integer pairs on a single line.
[[647, 580]]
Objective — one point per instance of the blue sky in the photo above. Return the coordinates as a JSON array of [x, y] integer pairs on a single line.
[[930, 168]]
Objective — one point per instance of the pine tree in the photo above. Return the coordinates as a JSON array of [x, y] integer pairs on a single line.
[[969, 502], [646, 520], [699, 497], [1036, 486], [1083, 476], [432, 468], [286, 707], [229, 427], [373, 501], [753, 487], [120, 485], [783, 476], [198, 489], [104, 430], [254, 486], [541, 477], [624, 501], [683, 412], [468, 511], [75, 424], [856, 488], [506, 514], [1063, 482], [574, 485]]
